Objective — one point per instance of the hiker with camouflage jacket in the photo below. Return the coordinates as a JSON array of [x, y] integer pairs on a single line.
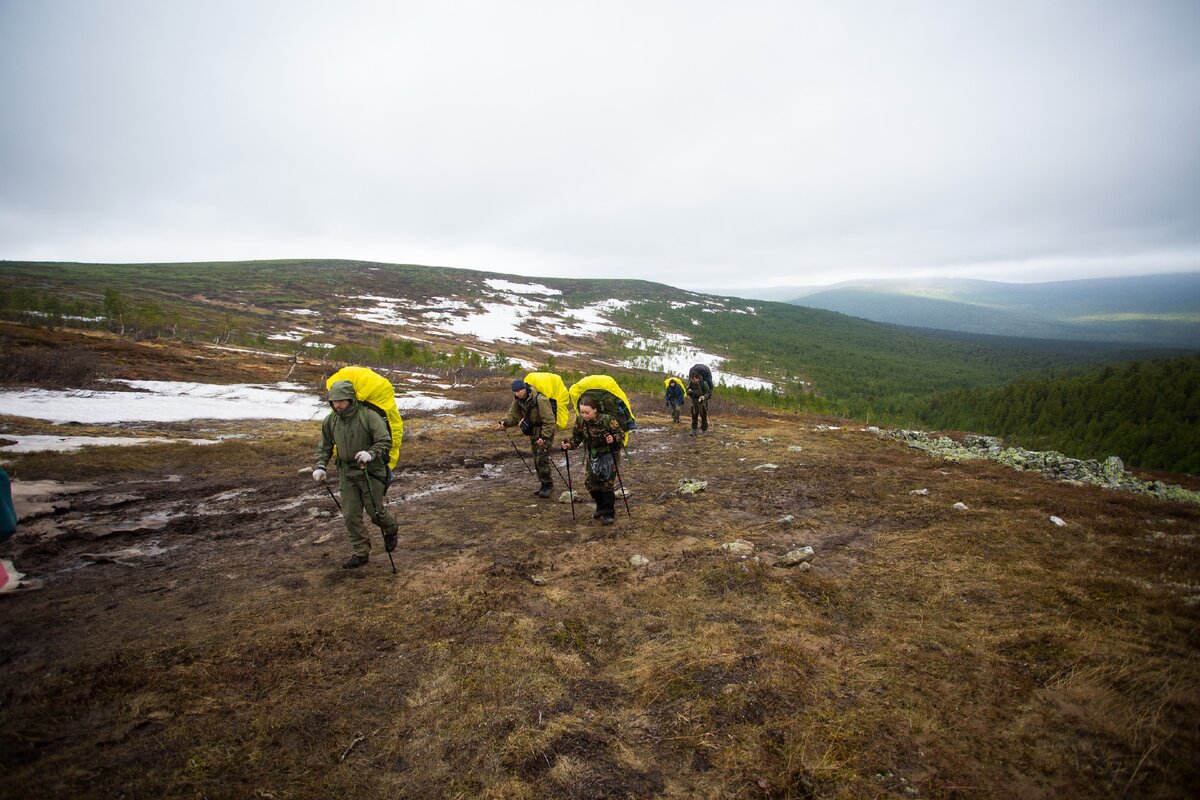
[[531, 410], [363, 442], [604, 438], [700, 391]]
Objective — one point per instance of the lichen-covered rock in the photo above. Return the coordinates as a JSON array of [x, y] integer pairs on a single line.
[[739, 547], [1110, 475], [794, 558]]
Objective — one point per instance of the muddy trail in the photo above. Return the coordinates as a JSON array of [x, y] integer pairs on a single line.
[[196, 637]]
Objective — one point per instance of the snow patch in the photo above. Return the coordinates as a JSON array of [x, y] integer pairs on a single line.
[[520, 288]]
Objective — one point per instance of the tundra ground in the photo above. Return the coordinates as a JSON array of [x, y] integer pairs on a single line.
[[196, 637]]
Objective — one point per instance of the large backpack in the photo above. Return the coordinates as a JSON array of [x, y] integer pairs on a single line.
[[673, 381], [704, 372], [552, 386], [609, 397], [376, 393]]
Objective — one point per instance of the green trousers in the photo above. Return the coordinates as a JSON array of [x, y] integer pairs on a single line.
[[356, 498]]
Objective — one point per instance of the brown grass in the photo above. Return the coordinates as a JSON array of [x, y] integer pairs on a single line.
[[928, 653]]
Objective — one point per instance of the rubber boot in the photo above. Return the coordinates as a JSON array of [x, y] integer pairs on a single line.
[[599, 503], [545, 490], [608, 509]]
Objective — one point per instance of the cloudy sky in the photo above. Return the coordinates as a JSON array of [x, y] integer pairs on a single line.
[[710, 145]]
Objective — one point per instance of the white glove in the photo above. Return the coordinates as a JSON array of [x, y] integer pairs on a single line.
[[319, 475], [362, 457]]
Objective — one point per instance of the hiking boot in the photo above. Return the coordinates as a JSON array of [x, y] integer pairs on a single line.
[[389, 541], [693, 432], [354, 562], [607, 520], [545, 490]]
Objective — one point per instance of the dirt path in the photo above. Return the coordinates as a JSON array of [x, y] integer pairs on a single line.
[[927, 652]]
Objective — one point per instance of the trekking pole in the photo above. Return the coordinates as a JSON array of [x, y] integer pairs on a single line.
[[335, 500], [371, 495], [570, 488], [514, 446], [620, 483]]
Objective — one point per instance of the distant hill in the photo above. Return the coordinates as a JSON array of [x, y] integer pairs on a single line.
[[1155, 310], [366, 312]]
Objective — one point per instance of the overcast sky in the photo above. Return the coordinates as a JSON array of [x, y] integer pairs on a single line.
[[710, 145]]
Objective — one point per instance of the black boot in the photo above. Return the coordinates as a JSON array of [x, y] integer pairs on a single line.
[[608, 509], [599, 503], [545, 489], [354, 562]]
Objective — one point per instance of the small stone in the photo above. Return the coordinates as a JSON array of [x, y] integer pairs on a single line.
[[637, 561], [785, 519], [805, 567], [765, 439], [537, 580], [565, 497], [922, 492], [739, 547], [691, 486], [795, 448], [1058, 521], [767, 466], [960, 507], [794, 558]]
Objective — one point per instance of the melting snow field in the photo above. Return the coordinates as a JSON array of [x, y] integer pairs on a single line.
[[64, 444], [177, 401], [674, 356]]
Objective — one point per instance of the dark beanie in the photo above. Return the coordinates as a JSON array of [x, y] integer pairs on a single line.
[[518, 385]]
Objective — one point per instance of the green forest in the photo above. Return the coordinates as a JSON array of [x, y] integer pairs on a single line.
[[1146, 412]]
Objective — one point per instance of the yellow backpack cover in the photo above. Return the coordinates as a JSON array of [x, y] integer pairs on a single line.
[[553, 387], [605, 384], [669, 381], [376, 392]]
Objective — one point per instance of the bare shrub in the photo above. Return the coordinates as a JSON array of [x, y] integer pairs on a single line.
[[54, 368], [487, 402]]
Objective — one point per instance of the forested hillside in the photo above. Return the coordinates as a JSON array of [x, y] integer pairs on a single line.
[[804, 358], [1147, 412]]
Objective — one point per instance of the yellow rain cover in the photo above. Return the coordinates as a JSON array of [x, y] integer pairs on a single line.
[[669, 381], [553, 387], [371, 387], [605, 383]]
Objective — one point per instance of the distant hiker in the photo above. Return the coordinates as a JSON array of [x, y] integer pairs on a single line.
[[603, 436], [363, 441], [531, 410], [700, 391], [674, 397]]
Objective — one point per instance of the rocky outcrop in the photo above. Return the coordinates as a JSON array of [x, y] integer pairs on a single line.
[[1109, 474]]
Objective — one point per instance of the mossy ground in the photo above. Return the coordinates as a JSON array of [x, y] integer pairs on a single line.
[[929, 652]]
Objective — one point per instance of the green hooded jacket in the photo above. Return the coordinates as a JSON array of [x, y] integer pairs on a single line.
[[353, 430]]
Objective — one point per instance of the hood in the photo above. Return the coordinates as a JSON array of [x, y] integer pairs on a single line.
[[342, 390]]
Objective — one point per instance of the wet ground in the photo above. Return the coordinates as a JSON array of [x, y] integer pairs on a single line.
[[194, 635]]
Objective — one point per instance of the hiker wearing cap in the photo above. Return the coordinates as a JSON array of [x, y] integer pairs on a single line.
[[603, 436], [700, 391], [531, 410], [363, 441]]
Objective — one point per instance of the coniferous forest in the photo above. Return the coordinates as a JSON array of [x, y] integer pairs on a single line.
[[1148, 412]]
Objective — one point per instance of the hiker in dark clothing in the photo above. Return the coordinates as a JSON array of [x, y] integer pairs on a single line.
[[700, 391], [603, 436], [532, 411], [674, 397], [363, 441]]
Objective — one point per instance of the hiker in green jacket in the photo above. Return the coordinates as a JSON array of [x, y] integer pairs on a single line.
[[700, 391], [603, 436], [363, 441], [531, 410]]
